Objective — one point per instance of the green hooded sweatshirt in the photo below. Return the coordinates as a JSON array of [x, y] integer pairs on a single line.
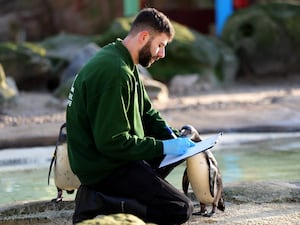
[[110, 118]]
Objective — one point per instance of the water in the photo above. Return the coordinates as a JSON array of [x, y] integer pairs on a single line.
[[254, 157], [24, 173], [241, 157]]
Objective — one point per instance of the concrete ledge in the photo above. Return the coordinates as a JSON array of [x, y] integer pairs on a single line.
[[263, 192], [29, 135], [259, 202]]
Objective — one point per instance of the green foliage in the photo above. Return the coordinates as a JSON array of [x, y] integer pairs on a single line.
[[10, 50], [23, 58], [190, 52]]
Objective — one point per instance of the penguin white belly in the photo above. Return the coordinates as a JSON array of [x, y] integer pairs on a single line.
[[198, 173], [64, 178]]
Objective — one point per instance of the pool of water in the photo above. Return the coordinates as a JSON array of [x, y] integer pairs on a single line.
[[241, 157]]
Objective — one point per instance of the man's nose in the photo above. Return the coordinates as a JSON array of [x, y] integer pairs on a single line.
[[161, 53]]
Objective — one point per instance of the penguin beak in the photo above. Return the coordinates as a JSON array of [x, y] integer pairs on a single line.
[[185, 132], [190, 132]]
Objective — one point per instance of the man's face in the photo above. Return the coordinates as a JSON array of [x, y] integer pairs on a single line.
[[153, 50]]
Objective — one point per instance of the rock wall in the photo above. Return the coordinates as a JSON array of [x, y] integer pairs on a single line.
[[8, 90], [266, 39], [36, 19]]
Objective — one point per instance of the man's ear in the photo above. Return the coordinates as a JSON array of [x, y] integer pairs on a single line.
[[144, 36]]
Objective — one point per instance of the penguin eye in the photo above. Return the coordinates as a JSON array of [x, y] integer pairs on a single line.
[[184, 132]]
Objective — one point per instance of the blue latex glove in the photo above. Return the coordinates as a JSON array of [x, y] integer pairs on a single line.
[[177, 146]]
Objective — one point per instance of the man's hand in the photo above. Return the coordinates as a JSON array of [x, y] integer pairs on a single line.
[[177, 146]]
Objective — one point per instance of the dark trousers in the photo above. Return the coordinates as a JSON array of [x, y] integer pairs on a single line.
[[139, 181]]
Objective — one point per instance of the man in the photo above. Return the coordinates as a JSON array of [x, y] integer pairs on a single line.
[[116, 140]]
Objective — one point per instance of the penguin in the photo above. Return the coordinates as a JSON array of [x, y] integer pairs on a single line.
[[203, 173], [64, 178]]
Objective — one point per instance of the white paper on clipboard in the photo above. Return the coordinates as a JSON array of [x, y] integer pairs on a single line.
[[199, 147]]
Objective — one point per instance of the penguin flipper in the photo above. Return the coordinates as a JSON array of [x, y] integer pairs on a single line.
[[185, 182], [212, 173], [212, 178]]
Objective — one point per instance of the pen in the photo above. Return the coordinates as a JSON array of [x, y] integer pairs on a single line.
[[171, 132]]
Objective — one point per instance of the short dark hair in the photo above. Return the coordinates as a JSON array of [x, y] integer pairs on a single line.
[[153, 19]]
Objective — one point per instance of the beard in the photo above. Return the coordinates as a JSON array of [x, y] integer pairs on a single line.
[[145, 56]]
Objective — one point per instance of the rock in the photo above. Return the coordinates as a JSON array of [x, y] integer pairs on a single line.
[[78, 61], [26, 64], [20, 20], [37, 67], [84, 17], [115, 219], [37, 19], [64, 46], [191, 52], [277, 201], [37, 212], [61, 50], [83, 56], [156, 90], [190, 84], [8, 89], [263, 192], [9, 27], [266, 38]]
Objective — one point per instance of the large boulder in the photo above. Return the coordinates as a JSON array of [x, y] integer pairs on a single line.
[[33, 20], [38, 66], [8, 90], [84, 17], [75, 64], [115, 219], [25, 20], [61, 50], [155, 89], [190, 52], [266, 38], [64, 46], [26, 64]]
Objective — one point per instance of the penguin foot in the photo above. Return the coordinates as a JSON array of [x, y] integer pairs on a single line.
[[209, 214], [204, 213], [59, 196], [200, 213], [57, 200]]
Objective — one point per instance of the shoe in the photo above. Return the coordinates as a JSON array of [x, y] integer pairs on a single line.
[[90, 203], [87, 205]]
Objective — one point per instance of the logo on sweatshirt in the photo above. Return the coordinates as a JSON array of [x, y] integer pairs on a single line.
[[71, 93]]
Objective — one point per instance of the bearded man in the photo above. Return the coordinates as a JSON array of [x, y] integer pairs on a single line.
[[116, 139]]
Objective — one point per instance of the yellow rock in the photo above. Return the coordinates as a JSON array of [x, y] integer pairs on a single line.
[[5, 90], [115, 219]]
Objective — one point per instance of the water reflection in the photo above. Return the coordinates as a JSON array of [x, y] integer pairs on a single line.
[[259, 165], [241, 157], [254, 157], [230, 164]]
